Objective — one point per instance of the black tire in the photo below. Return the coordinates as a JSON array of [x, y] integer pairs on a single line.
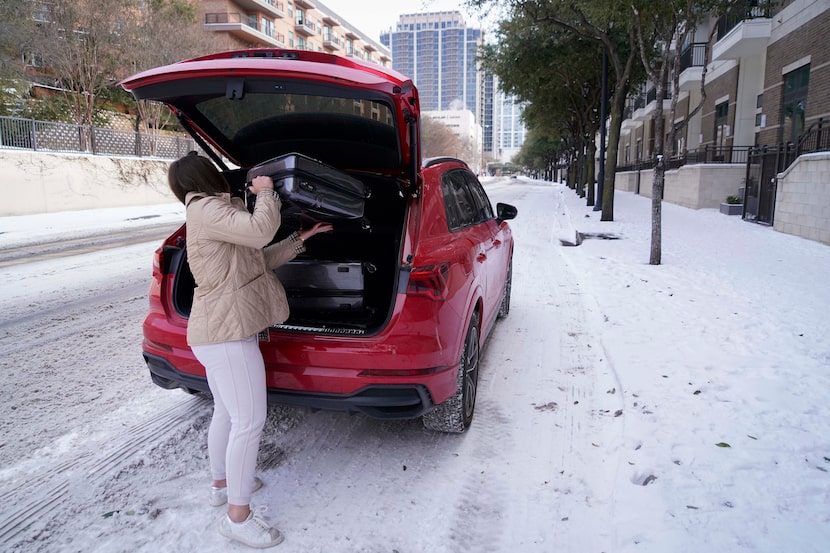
[[504, 308], [456, 414]]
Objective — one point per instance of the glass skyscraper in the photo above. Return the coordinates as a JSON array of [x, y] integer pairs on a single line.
[[438, 52]]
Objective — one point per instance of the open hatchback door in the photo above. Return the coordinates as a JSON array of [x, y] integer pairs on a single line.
[[252, 105]]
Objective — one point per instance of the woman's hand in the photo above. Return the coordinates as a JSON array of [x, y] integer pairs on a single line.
[[260, 183], [316, 229]]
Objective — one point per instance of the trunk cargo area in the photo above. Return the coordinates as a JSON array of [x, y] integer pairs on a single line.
[[346, 281]]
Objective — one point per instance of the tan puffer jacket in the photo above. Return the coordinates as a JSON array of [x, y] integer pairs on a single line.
[[237, 294]]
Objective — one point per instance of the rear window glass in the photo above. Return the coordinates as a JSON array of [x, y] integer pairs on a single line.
[[238, 117], [345, 132]]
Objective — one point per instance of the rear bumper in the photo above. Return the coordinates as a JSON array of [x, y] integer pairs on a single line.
[[379, 401]]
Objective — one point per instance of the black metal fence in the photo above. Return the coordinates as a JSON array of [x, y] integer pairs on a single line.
[[705, 155], [743, 10], [766, 162], [692, 56], [47, 136]]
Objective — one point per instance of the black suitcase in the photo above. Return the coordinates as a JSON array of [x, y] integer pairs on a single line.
[[312, 285], [314, 187]]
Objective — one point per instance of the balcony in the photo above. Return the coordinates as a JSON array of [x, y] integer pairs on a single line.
[[651, 94], [745, 31], [332, 43], [244, 27], [330, 20], [305, 4], [274, 8], [691, 65], [305, 28]]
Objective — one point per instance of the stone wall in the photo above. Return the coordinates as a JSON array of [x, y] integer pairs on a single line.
[[802, 203]]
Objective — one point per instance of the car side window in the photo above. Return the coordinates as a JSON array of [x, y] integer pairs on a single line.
[[460, 204], [484, 206]]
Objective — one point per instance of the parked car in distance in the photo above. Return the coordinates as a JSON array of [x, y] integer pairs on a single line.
[[389, 311]]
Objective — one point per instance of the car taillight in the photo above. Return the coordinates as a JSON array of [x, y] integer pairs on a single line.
[[157, 261], [431, 281]]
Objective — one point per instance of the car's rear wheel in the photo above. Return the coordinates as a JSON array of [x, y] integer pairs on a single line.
[[456, 414], [504, 308]]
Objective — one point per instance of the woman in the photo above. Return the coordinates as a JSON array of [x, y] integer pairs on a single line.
[[237, 296]]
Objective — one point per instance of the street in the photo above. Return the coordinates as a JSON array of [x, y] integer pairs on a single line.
[[89, 443], [622, 407]]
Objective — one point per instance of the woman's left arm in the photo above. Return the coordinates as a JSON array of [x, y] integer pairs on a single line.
[[287, 249]]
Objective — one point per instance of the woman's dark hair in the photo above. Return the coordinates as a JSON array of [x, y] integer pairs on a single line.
[[194, 173]]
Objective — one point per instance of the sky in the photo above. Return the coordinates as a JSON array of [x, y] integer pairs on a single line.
[[376, 16], [622, 407]]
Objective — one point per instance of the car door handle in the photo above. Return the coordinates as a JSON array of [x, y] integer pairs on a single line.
[[497, 242], [481, 258]]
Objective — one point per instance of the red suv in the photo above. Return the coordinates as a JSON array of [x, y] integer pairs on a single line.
[[389, 311]]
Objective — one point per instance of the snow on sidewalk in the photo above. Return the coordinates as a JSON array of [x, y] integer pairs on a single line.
[[723, 354]]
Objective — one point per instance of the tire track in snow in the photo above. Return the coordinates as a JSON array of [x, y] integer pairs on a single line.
[[42, 496], [484, 493], [562, 380]]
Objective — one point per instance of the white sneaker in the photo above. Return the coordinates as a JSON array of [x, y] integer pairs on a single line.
[[219, 496], [253, 532]]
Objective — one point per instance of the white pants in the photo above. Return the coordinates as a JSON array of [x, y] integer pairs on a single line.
[[236, 376]]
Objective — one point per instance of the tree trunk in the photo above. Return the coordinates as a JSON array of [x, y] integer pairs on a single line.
[[617, 105], [657, 211], [659, 172]]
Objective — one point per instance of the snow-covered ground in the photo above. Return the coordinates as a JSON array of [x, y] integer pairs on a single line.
[[623, 407]]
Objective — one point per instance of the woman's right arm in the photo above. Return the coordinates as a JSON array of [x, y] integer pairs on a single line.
[[228, 223]]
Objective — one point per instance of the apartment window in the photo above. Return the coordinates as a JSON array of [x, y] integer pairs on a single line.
[[721, 124], [32, 59], [291, 39], [796, 85]]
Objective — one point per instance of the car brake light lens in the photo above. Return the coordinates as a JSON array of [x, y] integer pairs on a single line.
[[431, 281], [157, 260]]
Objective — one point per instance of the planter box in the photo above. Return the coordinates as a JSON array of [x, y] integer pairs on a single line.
[[731, 209]]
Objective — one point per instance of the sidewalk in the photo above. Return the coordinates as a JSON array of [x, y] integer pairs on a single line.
[[34, 229], [723, 358]]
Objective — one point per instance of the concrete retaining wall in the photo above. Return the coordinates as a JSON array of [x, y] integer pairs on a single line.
[[38, 182], [693, 186]]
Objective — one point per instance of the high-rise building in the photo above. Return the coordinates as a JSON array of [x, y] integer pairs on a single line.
[[439, 53], [510, 129]]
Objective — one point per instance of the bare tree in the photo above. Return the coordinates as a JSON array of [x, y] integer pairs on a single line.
[[81, 43], [165, 31], [663, 27], [437, 139], [160, 20]]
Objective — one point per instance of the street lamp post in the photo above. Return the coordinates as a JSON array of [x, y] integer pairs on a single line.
[[603, 111]]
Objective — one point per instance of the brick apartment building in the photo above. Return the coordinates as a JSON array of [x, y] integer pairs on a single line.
[[294, 24], [763, 131]]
